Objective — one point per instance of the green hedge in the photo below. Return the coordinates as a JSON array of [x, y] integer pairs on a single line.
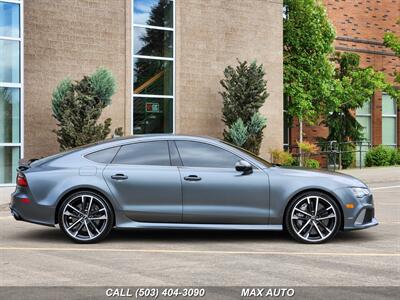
[[311, 163], [382, 156]]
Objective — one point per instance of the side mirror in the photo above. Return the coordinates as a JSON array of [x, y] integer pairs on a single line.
[[244, 167]]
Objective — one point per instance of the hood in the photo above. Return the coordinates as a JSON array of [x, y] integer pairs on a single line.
[[340, 178]]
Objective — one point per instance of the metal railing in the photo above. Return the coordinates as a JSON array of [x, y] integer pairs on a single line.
[[332, 153]]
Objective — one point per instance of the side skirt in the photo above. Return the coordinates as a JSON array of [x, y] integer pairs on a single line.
[[143, 225]]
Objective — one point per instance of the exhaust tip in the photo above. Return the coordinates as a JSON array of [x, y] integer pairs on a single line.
[[16, 215]]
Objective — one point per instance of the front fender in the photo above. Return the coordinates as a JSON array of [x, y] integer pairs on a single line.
[[284, 186]]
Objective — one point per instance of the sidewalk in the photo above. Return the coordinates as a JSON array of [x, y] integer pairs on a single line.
[[5, 194], [375, 174]]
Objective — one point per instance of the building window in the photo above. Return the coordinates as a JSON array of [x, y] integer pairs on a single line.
[[389, 121], [363, 116], [11, 91], [153, 48]]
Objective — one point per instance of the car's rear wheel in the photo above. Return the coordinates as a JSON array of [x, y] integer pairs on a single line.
[[85, 217], [313, 218]]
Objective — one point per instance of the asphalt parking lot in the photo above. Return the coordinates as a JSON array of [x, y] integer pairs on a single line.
[[33, 255]]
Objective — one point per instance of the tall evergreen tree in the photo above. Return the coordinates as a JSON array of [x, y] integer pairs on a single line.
[[353, 87], [244, 92], [78, 105]]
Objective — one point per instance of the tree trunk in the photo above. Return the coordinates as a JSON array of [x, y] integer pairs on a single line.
[[301, 141]]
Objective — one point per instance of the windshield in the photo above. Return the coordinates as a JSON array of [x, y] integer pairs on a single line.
[[255, 157]]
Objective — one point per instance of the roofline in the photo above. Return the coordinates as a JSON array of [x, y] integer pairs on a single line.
[[165, 137]]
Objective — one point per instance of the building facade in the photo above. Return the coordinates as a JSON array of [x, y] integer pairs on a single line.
[[360, 27], [167, 57], [11, 88]]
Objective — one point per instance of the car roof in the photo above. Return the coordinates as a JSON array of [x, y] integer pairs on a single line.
[[151, 137], [119, 141]]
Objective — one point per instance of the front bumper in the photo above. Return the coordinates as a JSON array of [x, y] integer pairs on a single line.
[[362, 216]]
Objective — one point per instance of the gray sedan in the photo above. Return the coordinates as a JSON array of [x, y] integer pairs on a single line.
[[184, 182]]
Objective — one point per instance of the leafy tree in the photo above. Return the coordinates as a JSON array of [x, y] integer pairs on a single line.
[[354, 86], [245, 91], [78, 105], [315, 88], [392, 41], [308, 73]]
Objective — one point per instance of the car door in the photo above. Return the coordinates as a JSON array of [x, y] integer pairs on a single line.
[[214, 192], [145, 184]]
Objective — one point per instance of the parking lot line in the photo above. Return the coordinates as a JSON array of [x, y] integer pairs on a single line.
[[199, 251], [385, 187]]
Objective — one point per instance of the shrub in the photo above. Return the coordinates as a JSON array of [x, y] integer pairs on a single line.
[[77, 107], [348, 158], [283, 158], [380, 156], [306, 149], [311, 163], [397, 157], [238, 133]]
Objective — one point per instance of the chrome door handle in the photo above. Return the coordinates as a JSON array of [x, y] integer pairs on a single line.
[[119, 177], [192, 178]]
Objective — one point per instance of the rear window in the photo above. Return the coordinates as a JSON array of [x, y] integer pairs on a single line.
[[103, 156], [144, 153]]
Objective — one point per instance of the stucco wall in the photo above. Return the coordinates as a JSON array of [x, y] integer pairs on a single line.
[[67, 38], [210, 36]]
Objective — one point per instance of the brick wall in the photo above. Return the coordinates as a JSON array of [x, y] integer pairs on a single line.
[[360, 26]]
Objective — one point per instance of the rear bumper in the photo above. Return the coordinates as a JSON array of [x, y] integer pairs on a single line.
[[31, 212]]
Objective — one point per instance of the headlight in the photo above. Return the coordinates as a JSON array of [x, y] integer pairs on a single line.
[[360, 192]]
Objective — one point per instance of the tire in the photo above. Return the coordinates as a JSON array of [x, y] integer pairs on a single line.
[[306, 225], [85, 217]]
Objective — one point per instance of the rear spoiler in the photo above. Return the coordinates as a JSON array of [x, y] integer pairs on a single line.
[[24, 164]]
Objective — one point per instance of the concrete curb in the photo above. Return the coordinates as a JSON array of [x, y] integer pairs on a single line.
[[375, 174]]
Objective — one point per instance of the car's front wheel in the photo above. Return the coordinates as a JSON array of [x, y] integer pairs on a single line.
[[85, 217], [313, 217]]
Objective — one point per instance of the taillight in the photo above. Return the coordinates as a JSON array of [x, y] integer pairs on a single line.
[[21, 180], [25, 200]]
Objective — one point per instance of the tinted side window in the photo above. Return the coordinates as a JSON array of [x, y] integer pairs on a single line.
[[196, 154], [103, 156], [173, 152], [146, 153]]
